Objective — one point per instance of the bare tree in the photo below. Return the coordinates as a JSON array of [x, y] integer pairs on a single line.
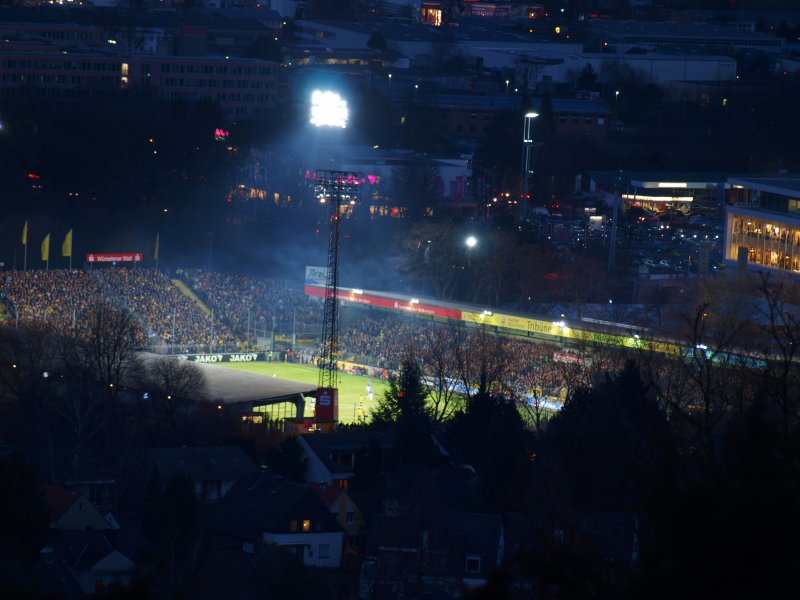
[[437, 359], [109, 342], [780, 346], [535, 381], [430, 257], [94, 365], [173, 385], [27, 378], [497, 267], [483, 361], [415, 185], [702, 383]]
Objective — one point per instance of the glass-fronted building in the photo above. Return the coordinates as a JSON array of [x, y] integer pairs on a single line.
[[762, 228]]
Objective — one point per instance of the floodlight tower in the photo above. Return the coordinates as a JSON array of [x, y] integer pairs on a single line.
[[328, 109]]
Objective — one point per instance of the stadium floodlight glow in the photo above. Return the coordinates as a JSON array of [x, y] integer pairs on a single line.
[[328, 109]]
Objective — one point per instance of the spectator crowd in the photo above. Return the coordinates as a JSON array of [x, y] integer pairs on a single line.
[[56, 297], [251, 304], [233, 305]]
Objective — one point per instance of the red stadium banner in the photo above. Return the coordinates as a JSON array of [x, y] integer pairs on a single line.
[[99, 258], [399, 304]]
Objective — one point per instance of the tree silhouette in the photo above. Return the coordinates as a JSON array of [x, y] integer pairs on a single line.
[[24, 518], [612, 440], [288, 460], [587, 78], [376, 41], [404, 405]]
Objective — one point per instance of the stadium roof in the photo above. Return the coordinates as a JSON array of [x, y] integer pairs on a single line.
[[243, 390], [231, 386]]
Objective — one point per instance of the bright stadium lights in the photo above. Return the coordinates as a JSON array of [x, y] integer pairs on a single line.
[[328, 109]]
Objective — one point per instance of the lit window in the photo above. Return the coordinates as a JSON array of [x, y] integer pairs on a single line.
[[306, 524]]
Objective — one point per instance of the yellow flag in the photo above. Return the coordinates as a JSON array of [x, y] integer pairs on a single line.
[[46, 247], [66, 247], [25, 234], [155, 252]]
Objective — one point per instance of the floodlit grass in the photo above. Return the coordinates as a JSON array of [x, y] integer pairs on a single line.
[[352, 388]]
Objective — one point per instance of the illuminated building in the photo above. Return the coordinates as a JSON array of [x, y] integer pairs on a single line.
[[762, 229]]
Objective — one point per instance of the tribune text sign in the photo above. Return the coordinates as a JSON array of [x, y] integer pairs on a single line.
[[101, 258]]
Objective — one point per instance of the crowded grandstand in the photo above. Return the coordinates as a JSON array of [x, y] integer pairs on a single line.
[[196, 311]]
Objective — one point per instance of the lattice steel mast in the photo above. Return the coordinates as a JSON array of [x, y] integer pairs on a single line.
[[335, 188]]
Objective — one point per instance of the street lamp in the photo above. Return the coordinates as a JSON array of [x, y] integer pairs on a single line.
[[616, 100], [527, 150], [470, 242], [507, 82]]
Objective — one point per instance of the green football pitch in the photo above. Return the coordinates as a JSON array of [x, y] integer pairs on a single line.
[[352, 388]]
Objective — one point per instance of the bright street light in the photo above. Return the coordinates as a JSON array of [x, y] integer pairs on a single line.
[[527, 151], [526, 134], [328, 109], [471, 241]]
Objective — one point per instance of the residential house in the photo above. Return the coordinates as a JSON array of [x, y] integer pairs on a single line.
[[264, 509], [610, 539], [91, 558], [212, 469], [347, 513], [435, 552], [84, 543], [72, 512], [332, 457]]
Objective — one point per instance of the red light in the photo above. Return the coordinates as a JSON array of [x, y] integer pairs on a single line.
[[33, 176]]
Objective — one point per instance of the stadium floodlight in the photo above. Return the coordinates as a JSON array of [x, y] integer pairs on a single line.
[[328, 109]]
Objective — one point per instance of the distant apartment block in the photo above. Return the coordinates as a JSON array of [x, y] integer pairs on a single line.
[[625, 35], [242, 87], [762, 229]]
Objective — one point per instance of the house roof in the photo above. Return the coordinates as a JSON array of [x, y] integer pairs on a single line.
[[58, 500], [201, 462], [327, 444], [114, 562], [327, 493], [81, 549], [243, 390], [265, 503]]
